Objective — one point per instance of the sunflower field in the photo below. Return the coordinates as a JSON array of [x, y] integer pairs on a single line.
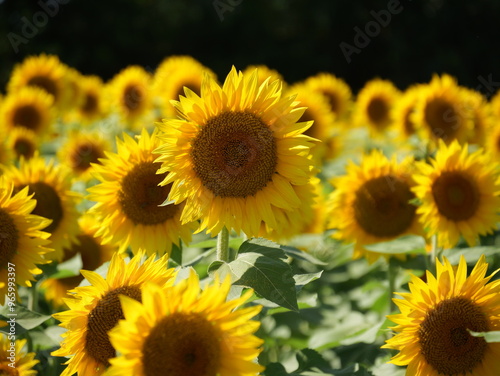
[[173, 222]]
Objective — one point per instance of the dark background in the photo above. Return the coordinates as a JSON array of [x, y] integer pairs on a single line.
[[298, 38]]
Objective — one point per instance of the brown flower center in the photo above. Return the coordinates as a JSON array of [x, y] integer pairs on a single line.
[[9, 238], [456, 195], [24, 147], [443, 119], [182, 344], [333, 101], [445, 341], [102, 319], [133, 95], [45, 83], [48, 204], [308, 116], [378, 112], [27, 116], [382, 206], [90, 104], [85, 154], [234, 155], [141, 196]]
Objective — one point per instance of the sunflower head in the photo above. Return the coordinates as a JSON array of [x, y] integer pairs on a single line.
[[129, 94], [28, 107], [442, 113], [80, 150], [335, 90], [237, 154], [96, 309], [130, 203], [24, 361], [184, 330], [403, 111], [51, 186], [173, 75], [373, 105], [459, 194], [22, 239], [433, 329], [24, 142], [371, 203], [45, 72], [91, 107]]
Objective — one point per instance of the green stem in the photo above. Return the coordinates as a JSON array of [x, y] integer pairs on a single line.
[[33, 298], [392, 272], [434, 253], [223, 245]]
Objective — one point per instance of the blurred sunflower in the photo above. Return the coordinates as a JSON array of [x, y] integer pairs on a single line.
[[184, 330], [93, 255], [91, 108], [237, 155], [23, 361], [335, 90], [403, 109], [459, 194], [30, 108], [478, 108], [74, 97], [373, 105], [172, 75], [318, 111], [492, 143], [441, 112], [129, 95], [371, 203], [129, 200], [263, 73], [80, 150], [43, 71], [96, 309], [51, 186], [433, 329], [23, 243], [7, 154], [24, 142]]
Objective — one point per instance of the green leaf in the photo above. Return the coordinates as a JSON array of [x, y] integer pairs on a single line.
[[260, 266], [176, 254], [301, 255], [303, 279], [405, 244], [69, 268], [488, 336], [214, 266], [309, 358], [471, 254], [23, 316]]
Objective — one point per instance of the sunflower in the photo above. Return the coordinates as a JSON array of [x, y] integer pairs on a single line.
[[45, 72], [28, 107], [91, 108], [237, 155], [492, 143], [403, 109], [23, 243], [74, 97], [129, 200], [80, 150], [129, 95], [14, 360], [477, 107], [317, 110], [371, 203], [441, 112], [433, 329], [95, 309], [7, 154], [183, 330], [93, 255], [459, 194], [172, 75], [373, 105], [263, 73], [335, 90], [24, 142], [51, 186]]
